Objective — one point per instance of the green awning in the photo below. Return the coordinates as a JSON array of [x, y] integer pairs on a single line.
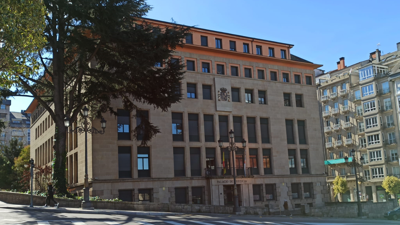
[[337, 161]]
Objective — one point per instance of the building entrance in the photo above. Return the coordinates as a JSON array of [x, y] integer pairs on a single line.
[[229, 196], [368, 192]]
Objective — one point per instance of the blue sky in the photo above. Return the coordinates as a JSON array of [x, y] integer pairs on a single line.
[[322, 31]]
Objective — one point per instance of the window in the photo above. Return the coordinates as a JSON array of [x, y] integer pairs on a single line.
[[225, 159], [191, 90], [158, 64], [246, 48], [175, 61], [343, 171], [367, 90], [204, 41], [334, 89], [260, 74], [2, 106], [259, 50], [123, 120], [264, 130], [124, 162], [197, 195], [375, 156], [207, 92], [195, 164], [267, 161], [367, 175], [393, 155], [179, 162], [270, 192], [292, 161], [346, 102], [189, 39], [125, 195], [247, 72], [371, 122], [205, 67], [218, 43], [239, 161], [220, 69], [253, 153], [349, 135], [301, 127], [181, 196], [177, 127], [271, 52], [145, 195], [308, 80], [297, 79], [190, 65], [391, 138], [387, 104], [257, 192], [369, 106], [286, 99], [249, 95], [333, 172], [296, 190], [143, 161], [341, 154], [234, 71], [357, 95], [385, 88], [232, 45], [223, 128], [389, 121], [363, 143], [251, 129], [283, 54], [261, 97], [209, 128], [304, 161], [140, 115], [178, 89], [210, 161], [299, 100], [373, 139], [237, 127], [289, 131], [235, 94], [325, 92], [365, 73], [377, 172], [193, 127], [285, 77], [396, 170], [273, 75], [308, 190]]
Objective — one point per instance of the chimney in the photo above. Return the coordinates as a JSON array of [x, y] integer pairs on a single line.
[[378, 55], [372, 56], [398, 46], [338, 65], [342, 66]]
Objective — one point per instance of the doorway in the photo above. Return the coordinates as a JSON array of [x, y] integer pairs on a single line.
[[368, 191], [228, 195]]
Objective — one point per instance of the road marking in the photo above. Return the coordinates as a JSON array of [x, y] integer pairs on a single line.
[[173, 223], [111, 222], [227, 223], [78, 223], [199, 222], [249, 222], [43, 223]]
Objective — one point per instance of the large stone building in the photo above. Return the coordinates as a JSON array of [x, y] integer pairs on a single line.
[[255, 87], [359, 107], [17, 124]]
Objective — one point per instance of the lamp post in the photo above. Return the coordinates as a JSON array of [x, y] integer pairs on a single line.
[[86, 128], [32, 164], [233, 148], [353, 164]]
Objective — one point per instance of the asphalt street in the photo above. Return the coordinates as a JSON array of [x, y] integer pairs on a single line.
[[42, 216]]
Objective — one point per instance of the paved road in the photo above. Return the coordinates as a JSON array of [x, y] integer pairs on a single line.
[[45, 217]]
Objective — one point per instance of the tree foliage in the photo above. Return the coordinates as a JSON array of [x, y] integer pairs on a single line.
[[8, 176], [95, 52], [340, 186], [22, 170], [391, 185]]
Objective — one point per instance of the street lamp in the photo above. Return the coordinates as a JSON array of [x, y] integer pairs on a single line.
[[86, 128], [32, 163], [353, 164], [233, 148]]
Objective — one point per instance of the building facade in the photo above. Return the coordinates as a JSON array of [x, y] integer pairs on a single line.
[[17, 124], [254, 87], [359, 107]]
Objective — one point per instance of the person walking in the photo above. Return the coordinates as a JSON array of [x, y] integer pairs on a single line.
[[50, 193]]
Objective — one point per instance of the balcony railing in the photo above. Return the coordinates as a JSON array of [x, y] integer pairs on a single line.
[[329, 145], [221, 172], [335, 111], [345, 109], [384, 91], [357, 98], [343, 92], [387, 107], [333, 95], [336, 127], [339, 143], [327, 129], [324, 98], [326, 114], [391, 141], [347, 125], [17, 133], [349, 141]]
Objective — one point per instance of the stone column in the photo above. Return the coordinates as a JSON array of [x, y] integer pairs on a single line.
[[374, 195], [218, 154]]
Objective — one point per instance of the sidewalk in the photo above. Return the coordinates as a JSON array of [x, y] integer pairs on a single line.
[[4, 205]]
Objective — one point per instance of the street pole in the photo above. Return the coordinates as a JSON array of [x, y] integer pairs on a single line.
[[235, 194], [32, 165], [86, 202], [358, 195]]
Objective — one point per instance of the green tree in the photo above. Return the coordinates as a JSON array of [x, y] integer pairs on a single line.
[[391, 185], [340, 186], [96, 51], [22, 169], [8, 177]]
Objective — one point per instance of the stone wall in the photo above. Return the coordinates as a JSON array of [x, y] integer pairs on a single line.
[[349, 209]]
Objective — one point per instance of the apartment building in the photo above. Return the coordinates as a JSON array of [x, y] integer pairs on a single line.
[[17, 124], [359, 107], [254, 87]]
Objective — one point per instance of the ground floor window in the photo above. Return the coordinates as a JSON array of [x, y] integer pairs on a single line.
[[126, 195], [257, 192], [270, 191], [181, 195], [296, 190], [308, 190], [145, 195], [197, 195]]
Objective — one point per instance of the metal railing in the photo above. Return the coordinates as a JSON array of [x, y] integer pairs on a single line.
[[336, 127], [349, 141], [343, 92], [329, 145], [347, 125], [327, 129], [324, 98], [335, 111], [326, 113], [339, 143], [333, 95]]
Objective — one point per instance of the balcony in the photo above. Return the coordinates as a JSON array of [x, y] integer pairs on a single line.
[[333, 95], [339, 143], [349, 142], [384, 91], [347, 125], [345, 109], [357, 99], [343, 93], [336, 127], [329, 145], [392, 159], [387, 108], [391, 142], [326, 114], [335, 111], [327, 129], [388, 125], [359, 115], [17, 133], [324, 98]]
